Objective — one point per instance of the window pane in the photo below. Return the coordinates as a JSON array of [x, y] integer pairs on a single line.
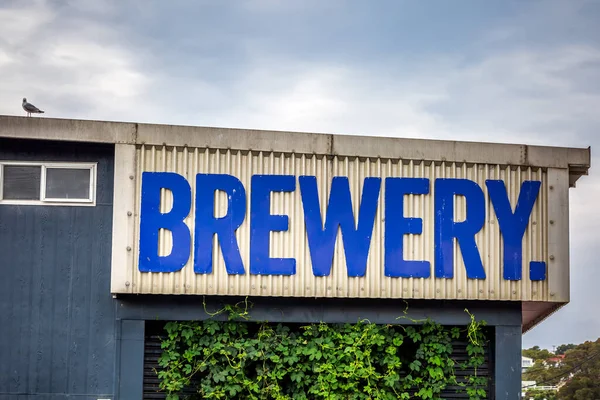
[[67, 183], [21, 182]]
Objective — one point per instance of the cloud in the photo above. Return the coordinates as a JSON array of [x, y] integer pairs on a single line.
[[506, 95], [511, 97], [19, 25], [94, 70], [65, 65]]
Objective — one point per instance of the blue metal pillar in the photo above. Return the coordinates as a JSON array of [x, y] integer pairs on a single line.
[[131, 364], [507, 368]]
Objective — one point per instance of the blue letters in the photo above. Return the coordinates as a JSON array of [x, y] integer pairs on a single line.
[[357, 240], [537, 270], [396, 226], [513, 225], [464, 232], [206, 225], [262, 223], [152, 220], [322, 230]]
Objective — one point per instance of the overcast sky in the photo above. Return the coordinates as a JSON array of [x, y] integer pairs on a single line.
[[501, 71]]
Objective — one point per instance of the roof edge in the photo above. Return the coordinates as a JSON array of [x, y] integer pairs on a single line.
[[577, 160], [542, 311]]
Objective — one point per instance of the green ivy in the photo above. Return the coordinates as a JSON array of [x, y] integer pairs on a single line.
[[233, 359]]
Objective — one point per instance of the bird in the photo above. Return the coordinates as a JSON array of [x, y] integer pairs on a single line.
[[30, 108]]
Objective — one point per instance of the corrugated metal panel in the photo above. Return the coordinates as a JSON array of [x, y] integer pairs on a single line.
[[293, 243], [57, 317]]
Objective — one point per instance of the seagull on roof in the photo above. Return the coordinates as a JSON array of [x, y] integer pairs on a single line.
[[30, 108]]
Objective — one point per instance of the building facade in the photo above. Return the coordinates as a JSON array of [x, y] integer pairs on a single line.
[[526, 363], [107, 230]]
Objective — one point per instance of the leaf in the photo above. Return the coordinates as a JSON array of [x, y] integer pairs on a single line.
[[296, 376], [187, 333]]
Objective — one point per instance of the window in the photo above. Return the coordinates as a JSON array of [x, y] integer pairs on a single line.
[[47, 183], [21, 182]]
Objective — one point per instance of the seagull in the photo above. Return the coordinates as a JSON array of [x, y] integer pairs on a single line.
[[30, 108]]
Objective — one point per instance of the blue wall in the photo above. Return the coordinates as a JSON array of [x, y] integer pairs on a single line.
[[57, 316]]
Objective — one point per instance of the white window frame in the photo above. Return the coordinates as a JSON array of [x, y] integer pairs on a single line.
[[43, 200]]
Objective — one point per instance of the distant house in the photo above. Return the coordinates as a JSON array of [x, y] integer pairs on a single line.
[[526, 362], [556, 360]]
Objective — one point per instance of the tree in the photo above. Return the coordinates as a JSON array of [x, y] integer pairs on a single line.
[[542, 374], [562, 349], [537, 394], [581, 368], [537, 354]]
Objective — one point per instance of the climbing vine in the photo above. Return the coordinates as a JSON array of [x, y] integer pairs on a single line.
[[247, 360]]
